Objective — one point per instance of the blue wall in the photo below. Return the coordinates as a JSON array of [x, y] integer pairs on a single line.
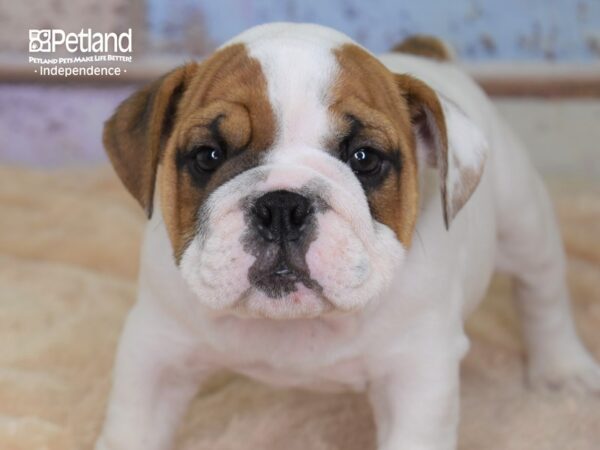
[[567, 30]]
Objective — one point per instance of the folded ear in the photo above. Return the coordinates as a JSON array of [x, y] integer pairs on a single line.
[[135, 135], [446, 139]]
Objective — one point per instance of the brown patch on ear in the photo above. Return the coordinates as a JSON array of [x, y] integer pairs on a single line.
[[135, 136], [426, 46], [429, 123], [367, 90], [425, 111]]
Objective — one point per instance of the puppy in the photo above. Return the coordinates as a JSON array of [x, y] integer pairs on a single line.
[[325, 219]]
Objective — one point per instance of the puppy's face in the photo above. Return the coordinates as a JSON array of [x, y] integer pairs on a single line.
[[286, 168]]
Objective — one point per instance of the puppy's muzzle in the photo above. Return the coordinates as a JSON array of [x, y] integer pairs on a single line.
[[282, 226]]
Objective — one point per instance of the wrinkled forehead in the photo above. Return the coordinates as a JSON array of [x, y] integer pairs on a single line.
[[301, 66]]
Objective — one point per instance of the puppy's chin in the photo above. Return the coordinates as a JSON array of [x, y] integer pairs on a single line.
[[302, 303]]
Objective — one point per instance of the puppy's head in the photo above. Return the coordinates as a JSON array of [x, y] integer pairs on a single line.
[[286, 167]]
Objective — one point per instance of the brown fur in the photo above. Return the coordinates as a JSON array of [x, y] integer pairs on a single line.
[[426, 46], [394, 109], [228, 84]]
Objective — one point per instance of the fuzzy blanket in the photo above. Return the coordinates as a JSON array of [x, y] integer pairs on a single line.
[[69, 245]]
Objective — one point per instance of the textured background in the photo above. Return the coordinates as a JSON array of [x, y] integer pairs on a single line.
[[558, 30], [479, 29]]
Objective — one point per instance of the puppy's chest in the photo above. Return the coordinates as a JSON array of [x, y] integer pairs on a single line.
[[312, 354], [343, 375]]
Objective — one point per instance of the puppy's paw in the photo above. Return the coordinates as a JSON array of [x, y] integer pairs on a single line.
[[576, 373]]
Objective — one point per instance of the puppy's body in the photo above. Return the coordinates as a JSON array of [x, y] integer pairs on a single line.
[[403, 341]]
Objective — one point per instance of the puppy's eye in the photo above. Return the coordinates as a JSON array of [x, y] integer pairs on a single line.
[[208, 158], [365, 161]]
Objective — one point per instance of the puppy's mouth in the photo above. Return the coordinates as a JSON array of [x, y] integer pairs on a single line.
[[278, 270]]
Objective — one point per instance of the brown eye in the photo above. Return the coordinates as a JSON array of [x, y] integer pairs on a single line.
[[365, 161], [208, 158]]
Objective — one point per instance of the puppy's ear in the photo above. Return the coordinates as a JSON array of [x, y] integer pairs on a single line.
[[446, 139], [135, 135]]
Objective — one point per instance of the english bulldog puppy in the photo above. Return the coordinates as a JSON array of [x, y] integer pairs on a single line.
[[322, 218]]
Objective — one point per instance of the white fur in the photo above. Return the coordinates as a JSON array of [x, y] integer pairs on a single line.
[[405, 345]]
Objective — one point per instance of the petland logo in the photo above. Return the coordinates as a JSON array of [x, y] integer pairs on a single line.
[[96, 54], [86, 41]]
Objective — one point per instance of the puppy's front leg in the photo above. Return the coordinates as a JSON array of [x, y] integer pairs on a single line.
[[416, 403], [152, 386]]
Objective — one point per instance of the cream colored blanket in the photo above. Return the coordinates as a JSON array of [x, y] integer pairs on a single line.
[[68, 258]]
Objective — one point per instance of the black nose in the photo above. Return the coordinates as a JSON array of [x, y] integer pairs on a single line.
[[281, 215]]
